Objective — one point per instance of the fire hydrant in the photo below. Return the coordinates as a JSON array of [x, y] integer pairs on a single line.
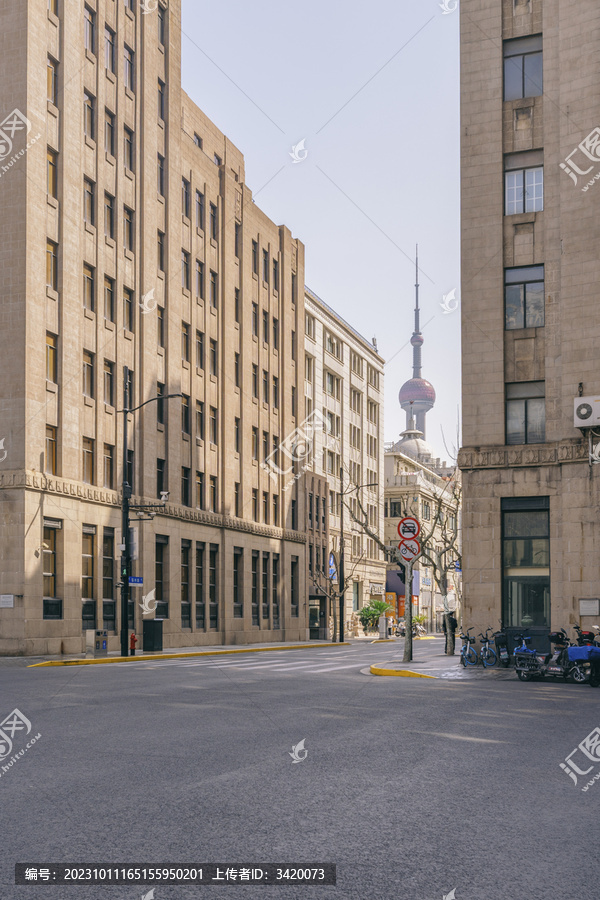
[[132, 642]]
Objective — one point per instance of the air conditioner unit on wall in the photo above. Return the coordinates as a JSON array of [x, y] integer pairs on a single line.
[[586, 412]]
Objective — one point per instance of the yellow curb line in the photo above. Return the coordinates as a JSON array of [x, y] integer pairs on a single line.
[[384, 641], [124, 659], [406, 673]]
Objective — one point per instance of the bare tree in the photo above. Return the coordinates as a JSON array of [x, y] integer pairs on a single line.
[[325, 586], [442, 559]]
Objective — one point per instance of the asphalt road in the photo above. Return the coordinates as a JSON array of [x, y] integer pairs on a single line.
[[412, 787]]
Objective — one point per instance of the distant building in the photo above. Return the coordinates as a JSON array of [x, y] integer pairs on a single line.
[[343, 383]]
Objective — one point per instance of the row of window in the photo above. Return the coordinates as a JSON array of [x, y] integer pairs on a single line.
[[317, 560], [317, 519], [332, 344]]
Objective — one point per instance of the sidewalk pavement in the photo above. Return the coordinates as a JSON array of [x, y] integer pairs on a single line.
[[168, 653], [430, 661]]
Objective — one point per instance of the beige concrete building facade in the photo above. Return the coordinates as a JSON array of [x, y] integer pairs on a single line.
[[130, 239], [343, 384], [530, 315]]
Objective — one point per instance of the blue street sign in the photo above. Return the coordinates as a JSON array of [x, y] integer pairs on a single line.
[[332, 567], [135, 579]]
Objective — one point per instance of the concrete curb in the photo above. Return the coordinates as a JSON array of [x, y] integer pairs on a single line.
[[125, 659], [403, 673]]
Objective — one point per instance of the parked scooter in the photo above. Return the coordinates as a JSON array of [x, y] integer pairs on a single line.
[[400, 629], [564, 661]]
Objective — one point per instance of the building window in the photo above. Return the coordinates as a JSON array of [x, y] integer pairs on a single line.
[[185, 197], [160, 404], [293, 400], [88, 607], [88, 460], [266, 611], [200, 602], [237, 243], [265, 381], [236, 305], [255, 319], [526, 562], [88, 374], [213, 502], [160, 251], [109, 132], [89, 287], [161, 477], [294, 296], [109, 49], [237, 435], [185, 486], [275, 274], [162, 25], [254, 380], [200, 210], [295, 587], [185, 342], [185, 414], [108, 580], [524, 297], [200, 419], [275, 392], [52, 173], [254, 580], [294, 514], [236, 499], [214, 222], [266, 266], [89, 29], [52, 265], [109, 466], [161, 578], [109, 217], [213, 357], [186, 606], [109, 383], [255, 257], [217, 159], [523, 69], [275, 509], [309, 325], [426, 510], [162, 102], [199, 490], [254, 442], [89, 192], [52, 81], [213, 425], [236, 369], [265, 326], [199, 279], [523, 183], [213, 586], [128, 310], [198, 140], [160, 326], [200, 349], [89, 116], [214, 287], [238, 583], [128, 236], [255, 504], [50, 456], [160, 186], [51, 357], [128, 148], [129, 68], [185, 270], [525, 413]]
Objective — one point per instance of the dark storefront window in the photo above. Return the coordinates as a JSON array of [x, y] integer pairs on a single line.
[[255, 619], [200, 605], [238, 586], [526, 562], [213, 586], [161, 577]]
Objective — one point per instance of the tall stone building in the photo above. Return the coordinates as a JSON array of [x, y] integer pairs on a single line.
[[130, 240], [343, 384], [530, 316]]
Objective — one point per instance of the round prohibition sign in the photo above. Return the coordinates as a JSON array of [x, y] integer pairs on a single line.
[[409, 549], [408, 527]]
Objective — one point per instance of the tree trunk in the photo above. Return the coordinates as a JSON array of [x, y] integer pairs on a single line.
[[408, 639]]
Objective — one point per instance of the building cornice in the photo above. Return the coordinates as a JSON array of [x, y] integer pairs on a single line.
[[523, 456], [314, 304], [61, 487]]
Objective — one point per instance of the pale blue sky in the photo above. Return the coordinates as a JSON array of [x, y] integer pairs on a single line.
[[382, 170]]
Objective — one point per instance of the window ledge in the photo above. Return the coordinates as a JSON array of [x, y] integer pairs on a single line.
[[185, 364], [186, 292], [185, 220], [160, 351], [184, 436], [89, 142], [89, 401], [213, 310], [129, 174], [129, 93], [91, 229], [129, 254], [199, 371], [110, 159], [89, 314], [51, 293], [52, 109], [213, 243], [53, 18], [52, 201], [109, 410], [128, 335], [199, 442], [213, 379], [160, 427], [129, 14], [51, 387], [91, 56], [110, 242]]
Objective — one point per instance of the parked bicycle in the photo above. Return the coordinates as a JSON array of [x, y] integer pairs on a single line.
[[468, 655], [487, 654]]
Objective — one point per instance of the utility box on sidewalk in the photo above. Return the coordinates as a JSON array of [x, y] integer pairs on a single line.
[[101, 643], [152, 635], [383, 635]]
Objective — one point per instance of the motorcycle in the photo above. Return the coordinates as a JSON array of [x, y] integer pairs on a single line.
[[400, 629], [564, 661]]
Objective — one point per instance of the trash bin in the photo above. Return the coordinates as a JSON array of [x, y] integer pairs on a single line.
[[152, 636], [101, 643]]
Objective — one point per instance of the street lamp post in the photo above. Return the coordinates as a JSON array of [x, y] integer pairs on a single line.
[[126, 506]]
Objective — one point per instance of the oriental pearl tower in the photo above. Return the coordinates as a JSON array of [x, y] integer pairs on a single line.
[[417, 396]]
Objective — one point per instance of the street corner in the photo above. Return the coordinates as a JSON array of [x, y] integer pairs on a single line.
[[402, 673]]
